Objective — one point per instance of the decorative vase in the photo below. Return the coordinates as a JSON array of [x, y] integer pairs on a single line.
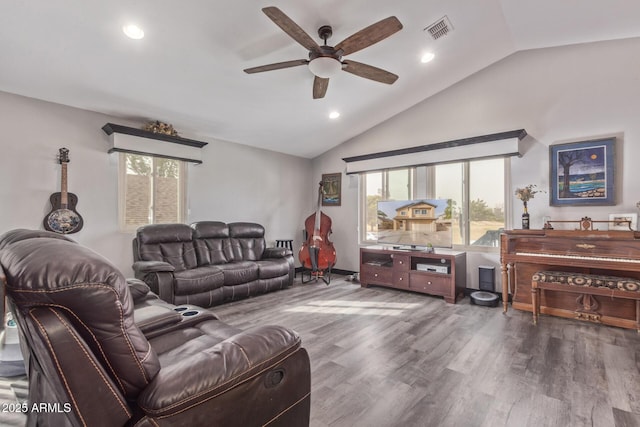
[[525, 218]]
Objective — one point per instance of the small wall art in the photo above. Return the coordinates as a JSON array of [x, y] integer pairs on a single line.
[[331, 188]]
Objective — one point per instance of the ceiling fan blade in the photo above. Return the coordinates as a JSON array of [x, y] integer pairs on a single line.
[[369, 72], [276, 66], [291, 28], [320, 86], [370, 35]]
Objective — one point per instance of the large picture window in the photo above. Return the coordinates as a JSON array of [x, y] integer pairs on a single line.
[[475, 190], [151, 190]]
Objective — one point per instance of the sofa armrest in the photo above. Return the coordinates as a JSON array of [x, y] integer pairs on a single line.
[[194, 382], [145, 267], [276, 253], [159, 276]]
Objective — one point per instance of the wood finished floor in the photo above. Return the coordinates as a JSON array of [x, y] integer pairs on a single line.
[[382, 357]]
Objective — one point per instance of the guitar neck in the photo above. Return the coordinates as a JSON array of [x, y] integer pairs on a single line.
[[64, 198]]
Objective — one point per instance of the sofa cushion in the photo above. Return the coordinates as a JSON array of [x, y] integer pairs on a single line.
[[210, 230], [247, 240], [197, 280], [213, 245], [274, 267], [171, 243], [239, 272]]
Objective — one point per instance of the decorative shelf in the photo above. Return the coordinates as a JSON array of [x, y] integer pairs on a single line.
[[127, 139], [110, 128]]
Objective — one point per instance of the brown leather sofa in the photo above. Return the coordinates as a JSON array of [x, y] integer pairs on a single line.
[[104, 351], [209, 262]]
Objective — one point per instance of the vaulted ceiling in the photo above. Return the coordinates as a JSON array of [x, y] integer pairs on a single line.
[[188, 69]]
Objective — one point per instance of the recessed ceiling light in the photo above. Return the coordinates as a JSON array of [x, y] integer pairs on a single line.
[[427, 57], [133, 31], [334, 115]]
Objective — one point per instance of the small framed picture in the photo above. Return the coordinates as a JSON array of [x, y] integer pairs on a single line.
[[623, 221], [331, 188]]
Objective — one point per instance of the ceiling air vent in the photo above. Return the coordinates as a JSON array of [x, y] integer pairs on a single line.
[[440, 28]]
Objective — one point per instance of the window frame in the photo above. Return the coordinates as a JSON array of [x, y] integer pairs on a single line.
[[122, 173]]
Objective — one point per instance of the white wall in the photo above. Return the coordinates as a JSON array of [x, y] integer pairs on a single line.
[[235, 182], [31, 134], [241, 183], [558, 95]]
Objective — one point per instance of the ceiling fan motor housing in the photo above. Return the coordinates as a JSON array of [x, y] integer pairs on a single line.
[[326, 51]]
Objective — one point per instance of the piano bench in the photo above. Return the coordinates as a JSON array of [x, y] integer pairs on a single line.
[[587, 285]]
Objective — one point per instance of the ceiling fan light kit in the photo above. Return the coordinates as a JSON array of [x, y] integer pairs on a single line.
[[326, 61], [325, 66]]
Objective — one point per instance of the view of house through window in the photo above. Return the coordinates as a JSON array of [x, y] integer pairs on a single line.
[[151, 190], [387, 185], [474, 189]]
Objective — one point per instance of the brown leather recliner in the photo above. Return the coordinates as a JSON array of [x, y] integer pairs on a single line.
[[97, 355]]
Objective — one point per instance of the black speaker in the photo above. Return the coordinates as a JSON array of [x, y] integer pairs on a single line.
[[487, 278]]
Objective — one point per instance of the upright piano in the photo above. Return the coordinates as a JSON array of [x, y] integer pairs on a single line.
[[612, 253]]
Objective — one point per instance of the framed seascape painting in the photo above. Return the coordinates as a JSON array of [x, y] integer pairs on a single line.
[[331, 189], [582, 173]]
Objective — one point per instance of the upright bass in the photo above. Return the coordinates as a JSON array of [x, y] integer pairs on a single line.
[[317, 254]]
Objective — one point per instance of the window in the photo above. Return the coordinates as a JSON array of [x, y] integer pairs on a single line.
[[475, 190], [486, 202], [477, 209], [151, 190]]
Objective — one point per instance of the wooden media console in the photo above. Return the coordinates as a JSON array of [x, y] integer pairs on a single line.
[[442, 272]]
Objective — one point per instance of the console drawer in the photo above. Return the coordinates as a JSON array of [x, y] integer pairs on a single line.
[[431, 284], [401, 262], [401, 280], [380, 275]]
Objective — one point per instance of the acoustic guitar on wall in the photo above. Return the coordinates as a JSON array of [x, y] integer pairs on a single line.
[[63, 218]]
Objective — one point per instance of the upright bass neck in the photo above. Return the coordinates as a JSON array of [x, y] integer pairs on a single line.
[[317, 222]]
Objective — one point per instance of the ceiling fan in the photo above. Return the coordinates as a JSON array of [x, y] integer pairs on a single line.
[[325, 61]]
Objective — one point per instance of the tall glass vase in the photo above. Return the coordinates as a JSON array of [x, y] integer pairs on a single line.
[[525, 218]]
